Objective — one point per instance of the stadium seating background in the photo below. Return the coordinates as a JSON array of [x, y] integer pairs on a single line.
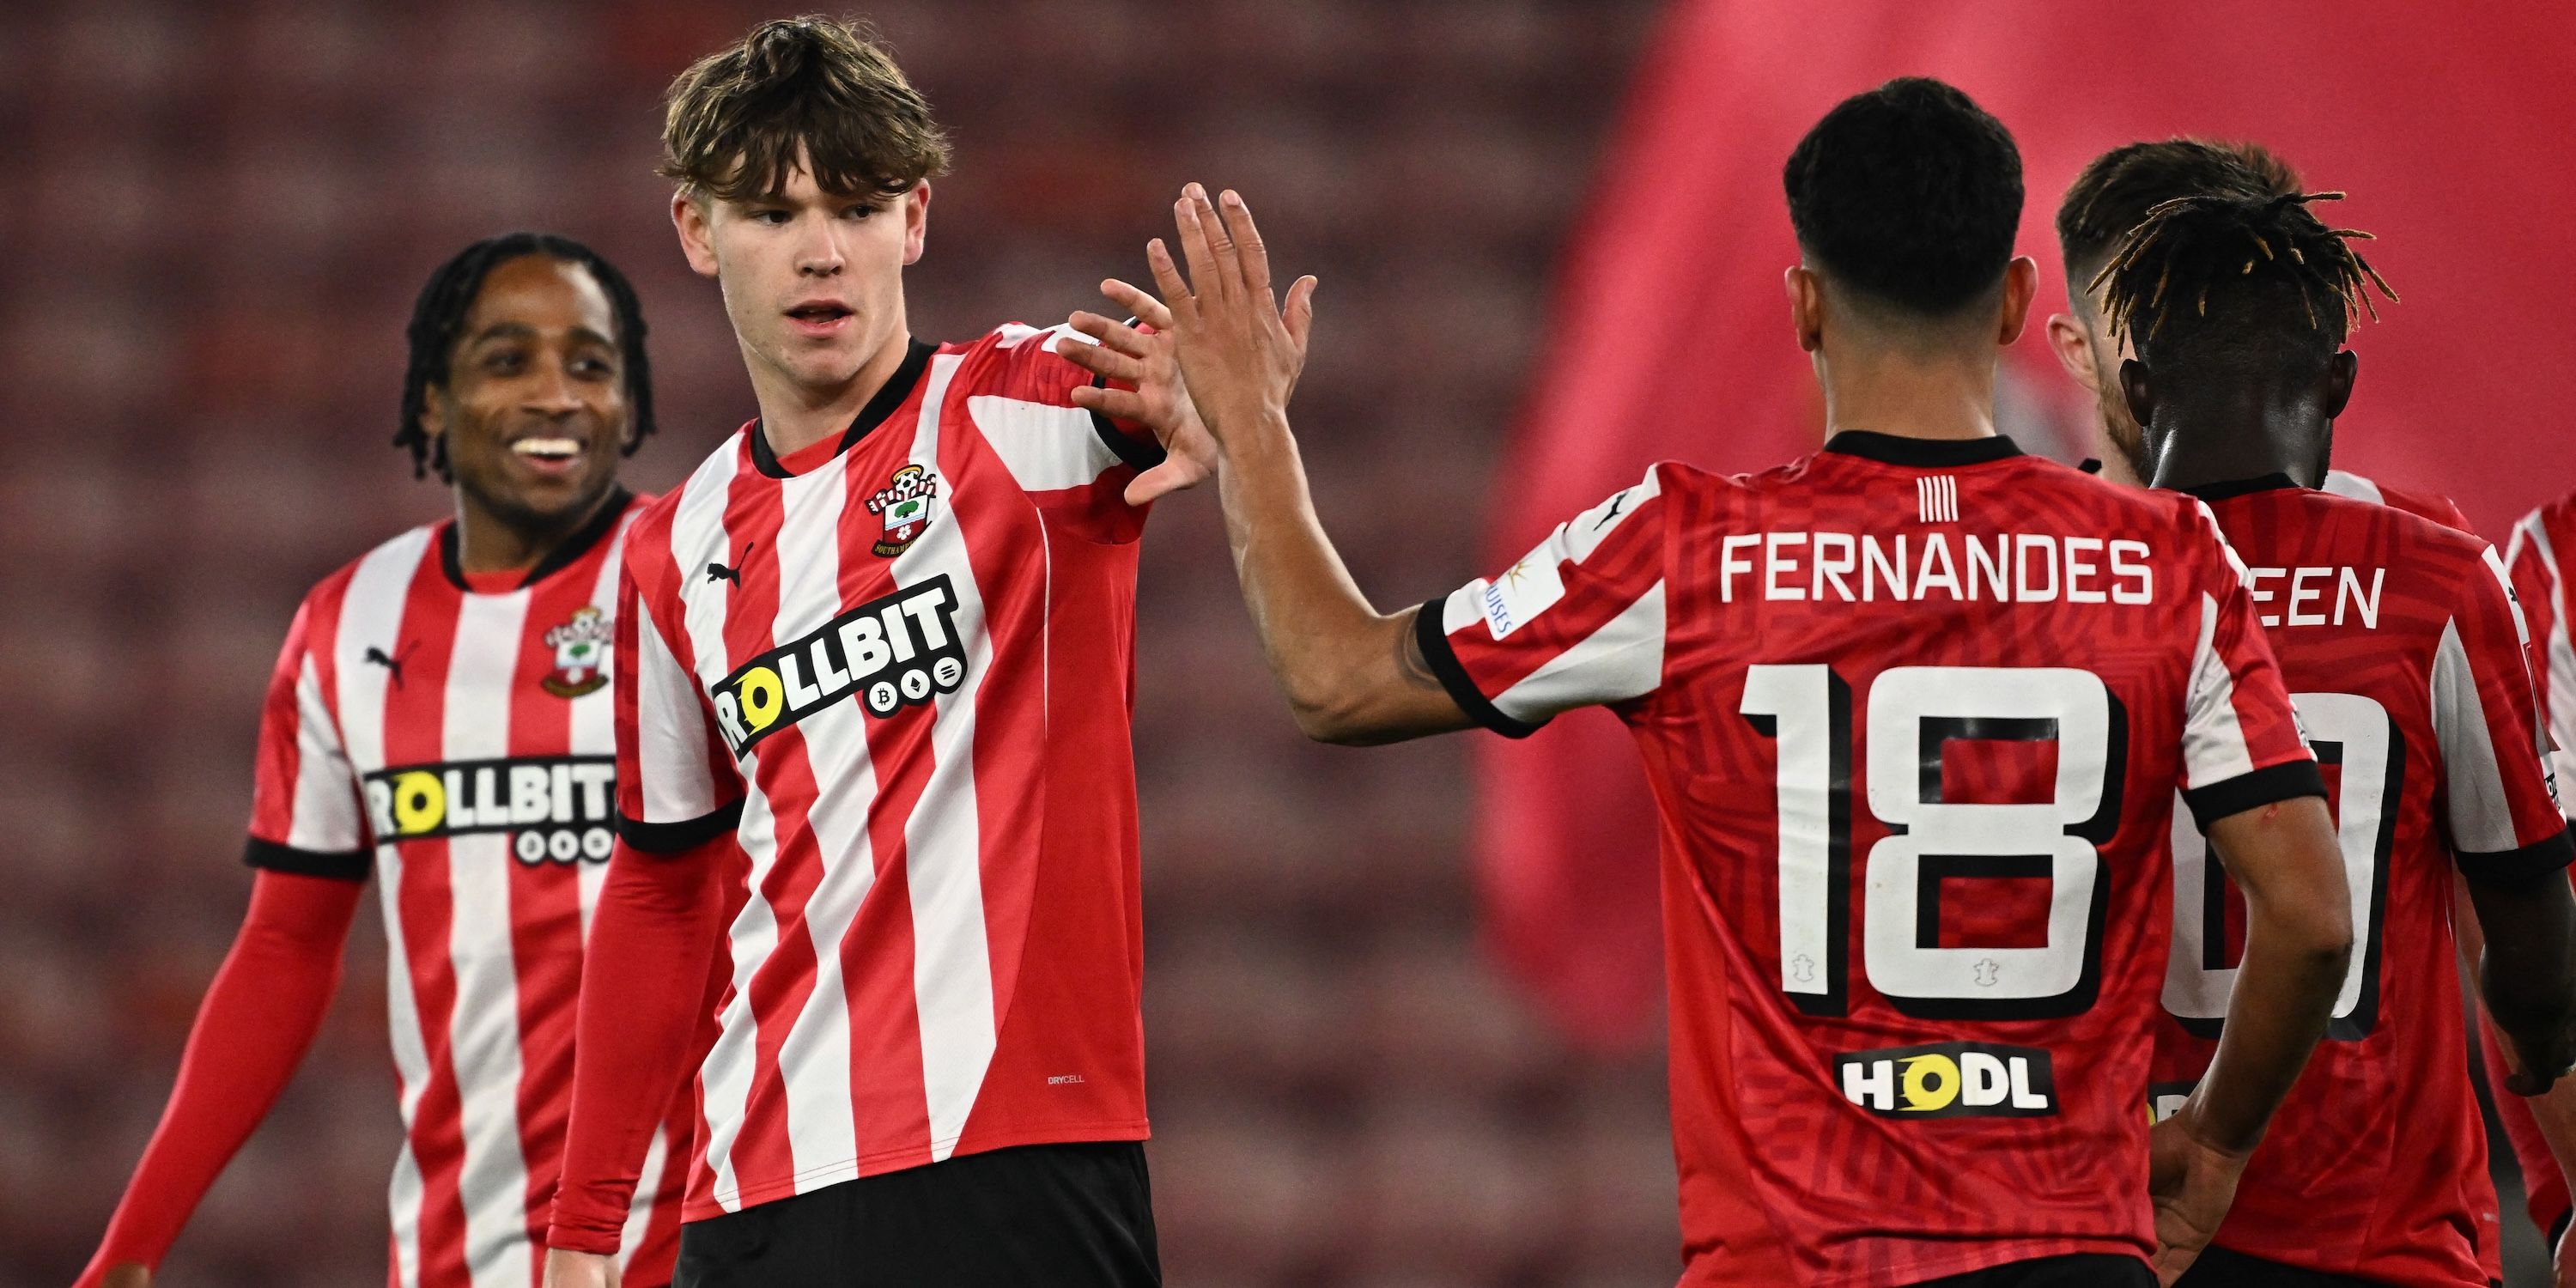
[[217, 216]]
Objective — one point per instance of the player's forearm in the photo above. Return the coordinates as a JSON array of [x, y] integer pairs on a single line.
[[644, 975], [260, 1015], [2298, 942], [1334, 654], [2526, 932]]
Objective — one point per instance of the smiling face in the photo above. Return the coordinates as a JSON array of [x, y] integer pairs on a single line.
[[813, 281], [534, 409]]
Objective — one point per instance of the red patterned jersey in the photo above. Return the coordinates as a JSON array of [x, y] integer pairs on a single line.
[[899, 666], [2400, 645], [2427, 505], [1914, 714], [2535, 556], [462, 747]]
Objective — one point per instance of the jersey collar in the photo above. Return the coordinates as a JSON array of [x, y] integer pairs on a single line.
[[1928, 453], [2220, 491], [564, 556], [889, 396]]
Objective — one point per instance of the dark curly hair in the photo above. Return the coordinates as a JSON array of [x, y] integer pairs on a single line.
[[2224, 278]]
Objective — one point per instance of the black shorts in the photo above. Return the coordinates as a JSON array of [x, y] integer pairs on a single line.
[[2076, 1270], [1080, 1216], [2218, 1267]]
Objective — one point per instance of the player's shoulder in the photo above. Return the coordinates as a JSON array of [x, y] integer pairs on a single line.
[[396, 556], [2551, 526], [2428, 505], [703, 492], [1016, 360]]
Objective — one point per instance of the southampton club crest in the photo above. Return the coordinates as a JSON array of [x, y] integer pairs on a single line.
[[907, 502], [581, 654]]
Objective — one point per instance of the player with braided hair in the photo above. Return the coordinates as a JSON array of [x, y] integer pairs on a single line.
[[2400, 645], [441, 719]]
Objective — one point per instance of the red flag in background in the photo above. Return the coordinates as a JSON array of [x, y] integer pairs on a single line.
[[2446, 123]]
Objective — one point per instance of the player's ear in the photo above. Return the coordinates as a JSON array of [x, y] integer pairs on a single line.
[[916, 220], [433, 410], [2341, 371], [1806, 306], [2074, 350], [692, 217], [2021, 286], [2138, 390]]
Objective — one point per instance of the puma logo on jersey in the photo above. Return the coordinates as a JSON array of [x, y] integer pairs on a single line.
[[559, 806], [892, 652], [1949, 1080], [720, 572], [392, 664]]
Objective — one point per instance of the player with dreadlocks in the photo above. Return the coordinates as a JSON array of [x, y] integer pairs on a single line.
[[2112, 196], [440, 718], [2402, 651]]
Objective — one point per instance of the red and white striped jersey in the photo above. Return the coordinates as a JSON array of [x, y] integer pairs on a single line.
[[2423, 505], [1914, 713], [462, 746], [2399, 642], [900, 666], [2537, 557]]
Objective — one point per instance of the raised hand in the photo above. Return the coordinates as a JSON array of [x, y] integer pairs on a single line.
[[1240, 352], [1148, 389]]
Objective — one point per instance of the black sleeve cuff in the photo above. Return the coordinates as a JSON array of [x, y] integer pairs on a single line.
[[2274, 783], [2540, 858], [1453, 675], [343, 865], [1142, 453], [671, 838]]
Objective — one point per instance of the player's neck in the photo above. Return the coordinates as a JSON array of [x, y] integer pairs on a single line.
[[795, 416], [2225, 436], [486, 541], [1911, 395]]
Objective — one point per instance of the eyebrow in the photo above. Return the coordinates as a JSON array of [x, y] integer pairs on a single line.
[[522, 331]]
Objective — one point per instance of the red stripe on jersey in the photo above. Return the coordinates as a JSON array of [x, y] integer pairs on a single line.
[[427, 640], [751, 519], [545, 916]]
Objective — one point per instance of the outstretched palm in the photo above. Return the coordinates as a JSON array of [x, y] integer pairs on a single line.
[[1148, 391]]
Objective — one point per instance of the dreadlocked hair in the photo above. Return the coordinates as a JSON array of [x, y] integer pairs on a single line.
[[2223, 273], [450, 293]]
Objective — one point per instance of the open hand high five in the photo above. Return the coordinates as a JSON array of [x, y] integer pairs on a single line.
[[1237, 350]]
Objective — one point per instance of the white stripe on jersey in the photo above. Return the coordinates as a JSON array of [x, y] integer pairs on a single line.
[[2557, 655], [376, 593], [2353, 486], [944, 865], [1622, 660], [326, 811], [594, 724], [2213, 742], [816, 1051], [1047, 448], [639, 1210], [2481, 818], [1936, 498], [483, 1024], [697, 524]]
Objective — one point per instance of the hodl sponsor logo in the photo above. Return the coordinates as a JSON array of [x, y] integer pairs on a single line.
[[1949, 1080]]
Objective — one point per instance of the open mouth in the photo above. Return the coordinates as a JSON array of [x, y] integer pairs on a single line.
[[820, 317], [547, 451]]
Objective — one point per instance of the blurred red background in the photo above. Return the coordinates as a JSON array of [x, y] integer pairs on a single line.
[[218, 213]]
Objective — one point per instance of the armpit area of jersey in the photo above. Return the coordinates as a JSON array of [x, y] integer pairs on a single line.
[[689, 834], [347, 865], [2538, 859], [1453, 675], [2271, 784]]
